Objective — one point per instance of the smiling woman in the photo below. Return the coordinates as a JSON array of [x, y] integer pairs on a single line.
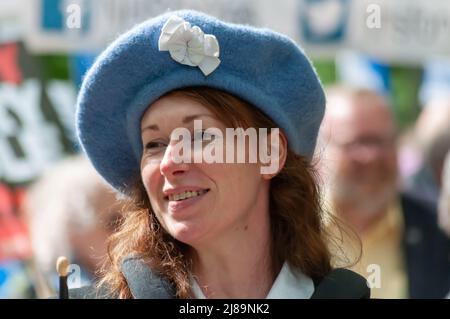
[[198, 229]]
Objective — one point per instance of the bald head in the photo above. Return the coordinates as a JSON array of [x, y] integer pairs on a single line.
[[356, 113]]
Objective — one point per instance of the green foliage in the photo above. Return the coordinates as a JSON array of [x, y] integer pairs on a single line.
[[54, 66]]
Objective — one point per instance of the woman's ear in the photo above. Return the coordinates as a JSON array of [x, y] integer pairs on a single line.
[[278, 146]]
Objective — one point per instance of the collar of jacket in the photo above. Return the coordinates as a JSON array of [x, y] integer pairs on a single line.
[[143, 282], [339, 283]]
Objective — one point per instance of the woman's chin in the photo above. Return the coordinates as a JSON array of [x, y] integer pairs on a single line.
[[187, 232]]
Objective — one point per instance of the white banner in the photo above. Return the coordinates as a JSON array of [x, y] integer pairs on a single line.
[[398, 31], [394, 31], [10, 24], [89, 25], [402, 31]]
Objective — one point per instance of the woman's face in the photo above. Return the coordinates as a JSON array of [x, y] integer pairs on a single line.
[[220, 199]]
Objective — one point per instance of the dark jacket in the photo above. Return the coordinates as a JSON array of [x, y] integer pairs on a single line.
[[427, 250], [145, 284]]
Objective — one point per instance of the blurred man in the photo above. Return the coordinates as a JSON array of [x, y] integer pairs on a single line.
[[399, 233]]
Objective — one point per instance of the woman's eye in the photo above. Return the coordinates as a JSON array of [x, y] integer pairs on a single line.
[[155, 145]]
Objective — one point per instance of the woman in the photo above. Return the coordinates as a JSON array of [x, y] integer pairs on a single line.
[[204, 218]]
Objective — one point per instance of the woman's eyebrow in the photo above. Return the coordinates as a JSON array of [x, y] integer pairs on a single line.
[[190, 118], [185, 120], [153, 127]]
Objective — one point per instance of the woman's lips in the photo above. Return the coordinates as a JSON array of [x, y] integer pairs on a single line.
[[176, 206]]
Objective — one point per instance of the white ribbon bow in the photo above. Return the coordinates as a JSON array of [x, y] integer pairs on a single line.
[[189, 45]]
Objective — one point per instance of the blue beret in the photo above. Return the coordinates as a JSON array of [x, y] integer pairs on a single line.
[[260, 66]]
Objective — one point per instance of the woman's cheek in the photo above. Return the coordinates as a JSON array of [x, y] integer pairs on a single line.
[[145, 176], [150, 178]]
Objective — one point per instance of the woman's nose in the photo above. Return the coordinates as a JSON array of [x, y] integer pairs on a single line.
[[172, 163]]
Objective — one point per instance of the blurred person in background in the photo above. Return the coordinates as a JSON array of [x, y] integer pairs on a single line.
[[71, 212], [432, 139], [399, 233], [444, 198]]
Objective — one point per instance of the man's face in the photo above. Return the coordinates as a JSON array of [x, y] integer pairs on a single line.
[[361, 155]]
